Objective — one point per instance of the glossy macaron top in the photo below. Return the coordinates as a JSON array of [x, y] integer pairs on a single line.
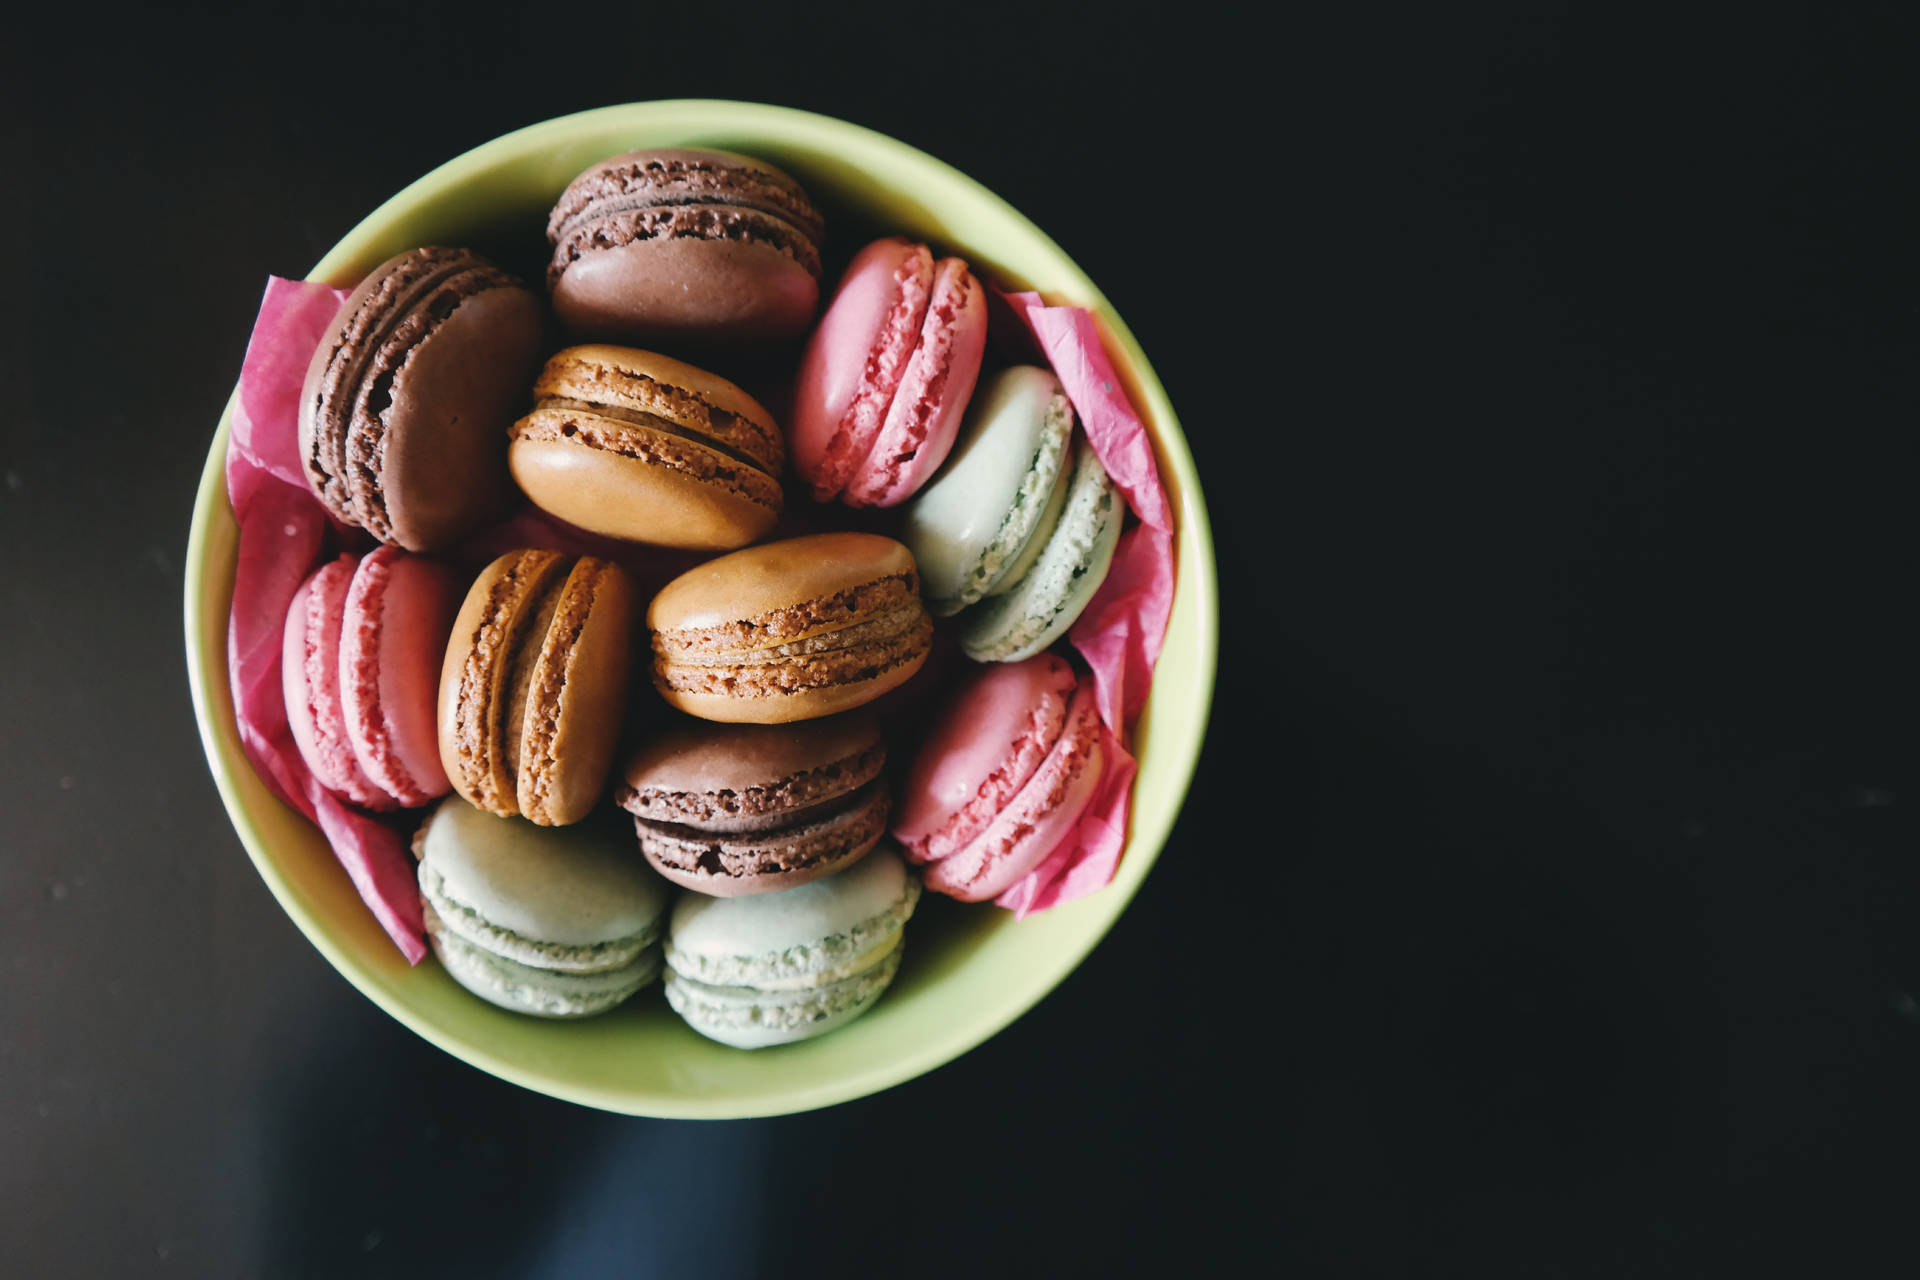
[[679, 241], [721, 776], [985, 517], [533, 686], [822, 569], [406, 397], [887, 374], [979, 753], [638, 445], [567, 887]]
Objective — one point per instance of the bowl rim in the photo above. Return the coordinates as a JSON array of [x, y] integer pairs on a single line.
[[208, 676]]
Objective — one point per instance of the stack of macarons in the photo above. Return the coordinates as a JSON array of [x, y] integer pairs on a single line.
[[753, 767]]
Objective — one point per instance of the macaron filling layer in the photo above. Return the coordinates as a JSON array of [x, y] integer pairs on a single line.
[[755, 807], [648, 439], [830, 832], [861, 652], [616, 228], [611, 379], [823, 614]]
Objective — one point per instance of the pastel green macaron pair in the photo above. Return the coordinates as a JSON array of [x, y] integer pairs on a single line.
[[559, 922], [775, 968], [1017, 531]]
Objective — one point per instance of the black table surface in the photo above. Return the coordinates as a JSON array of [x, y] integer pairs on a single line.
[[1545, 902]]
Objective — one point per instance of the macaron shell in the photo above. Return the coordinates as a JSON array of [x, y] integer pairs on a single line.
[[855, 359], [1036, 820], [971, 526], [339, 362], [444, 469], [310, 685], [626, 482], [745, 1018], [578, 898], [542, 993], [985, 746], [696, 288], [475, 673], [1032, 613], [813, 934], [398, 611], [577, 695], [932, 397], [746, 777], [779, 576]]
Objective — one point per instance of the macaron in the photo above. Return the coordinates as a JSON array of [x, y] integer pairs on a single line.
[[736, 809], [407, 398], [886, 376], [1000, 780], [534, 683], [359, 662], [679, 243], [775, 968], [556, 922], [1022, 617], [1017, 532], [641, 446], [790, 630]]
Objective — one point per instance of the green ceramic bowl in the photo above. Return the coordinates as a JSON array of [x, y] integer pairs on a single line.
[[970, 970]]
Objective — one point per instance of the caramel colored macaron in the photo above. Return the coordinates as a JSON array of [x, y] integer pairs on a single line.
[[644, 447], [534, 683], [408, 393], [790, 630], [734, 809]]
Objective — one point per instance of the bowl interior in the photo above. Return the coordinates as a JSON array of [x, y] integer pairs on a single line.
[[969, 970]]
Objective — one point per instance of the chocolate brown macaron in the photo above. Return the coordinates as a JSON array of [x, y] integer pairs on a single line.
[[534, 685], [404, 412], [790, 630], [734, 809], [641, 446], [684, 244]]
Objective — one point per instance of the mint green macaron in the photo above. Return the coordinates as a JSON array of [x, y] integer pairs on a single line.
[[776, 968], [1017, 531], [559, 922]]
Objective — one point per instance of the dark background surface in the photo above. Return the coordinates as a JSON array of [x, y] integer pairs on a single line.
[[1545, 903]]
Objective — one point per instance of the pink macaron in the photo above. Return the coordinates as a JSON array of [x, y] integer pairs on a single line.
[[887, 375], [360, 670], [1005, 773]]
